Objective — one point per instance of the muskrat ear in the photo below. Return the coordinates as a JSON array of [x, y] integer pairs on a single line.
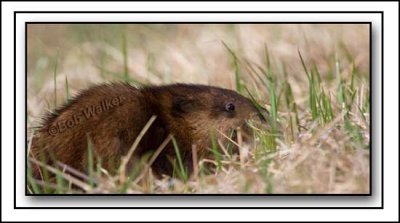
[[182, 105]]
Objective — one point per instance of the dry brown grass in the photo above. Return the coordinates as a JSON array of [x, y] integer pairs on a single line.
[[314, 157]]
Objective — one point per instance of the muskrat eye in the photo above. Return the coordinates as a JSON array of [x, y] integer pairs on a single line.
[[230, 107]]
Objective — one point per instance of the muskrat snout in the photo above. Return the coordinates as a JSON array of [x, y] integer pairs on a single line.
[[262, 115], [258, 120]]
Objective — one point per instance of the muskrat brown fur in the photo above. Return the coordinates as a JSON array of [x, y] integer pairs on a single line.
[[111, 116]]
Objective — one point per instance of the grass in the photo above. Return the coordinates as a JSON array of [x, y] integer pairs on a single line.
[[316, 89], [181, 170], [55, 83]]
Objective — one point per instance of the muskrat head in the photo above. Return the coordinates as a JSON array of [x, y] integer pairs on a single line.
[[201, 112]]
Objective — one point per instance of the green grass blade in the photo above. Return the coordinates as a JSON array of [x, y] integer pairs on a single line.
[[182, 170], [215, 150], [67, 89], [55, 80], [125, 56], [235, 64], [90, 161]]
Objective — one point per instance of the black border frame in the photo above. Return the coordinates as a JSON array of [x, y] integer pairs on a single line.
[[204, 195]]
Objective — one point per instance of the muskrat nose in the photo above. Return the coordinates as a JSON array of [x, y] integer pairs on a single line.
[[259, 120], [262, 115]]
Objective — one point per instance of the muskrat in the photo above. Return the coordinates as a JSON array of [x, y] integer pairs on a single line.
[[110, 117]]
